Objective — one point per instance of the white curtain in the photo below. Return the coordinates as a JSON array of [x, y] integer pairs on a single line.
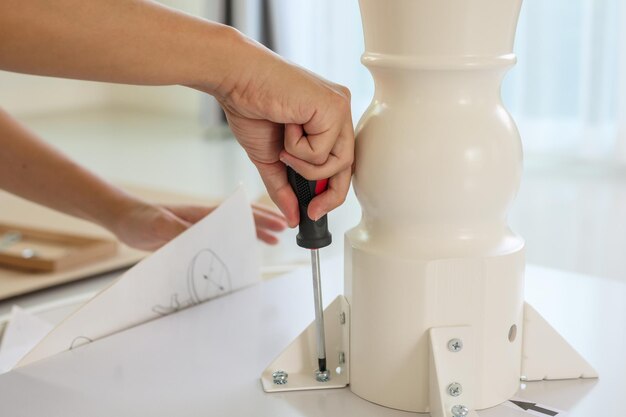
[[567, 92]]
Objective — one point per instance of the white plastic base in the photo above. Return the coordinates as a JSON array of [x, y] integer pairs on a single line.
[[546, 355], [299, 360]]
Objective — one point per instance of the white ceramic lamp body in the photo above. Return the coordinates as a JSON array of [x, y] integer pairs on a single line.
[[439, 162]]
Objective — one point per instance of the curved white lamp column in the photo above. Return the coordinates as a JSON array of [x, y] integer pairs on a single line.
[[439, 162], [433, 318]]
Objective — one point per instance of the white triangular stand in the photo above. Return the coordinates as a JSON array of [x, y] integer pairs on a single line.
[[546, 354], [295, 367]]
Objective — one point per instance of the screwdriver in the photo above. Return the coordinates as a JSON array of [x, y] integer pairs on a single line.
[[312, 235]]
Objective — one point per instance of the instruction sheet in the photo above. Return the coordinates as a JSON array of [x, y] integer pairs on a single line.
[[217, 255]]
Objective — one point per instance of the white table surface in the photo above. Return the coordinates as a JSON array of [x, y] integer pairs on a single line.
[[55, 303], [206, 360]]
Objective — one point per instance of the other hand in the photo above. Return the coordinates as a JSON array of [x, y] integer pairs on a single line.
[[148, 227]]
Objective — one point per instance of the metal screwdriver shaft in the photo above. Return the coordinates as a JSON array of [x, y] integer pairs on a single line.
[[319, 310], [313, 235]]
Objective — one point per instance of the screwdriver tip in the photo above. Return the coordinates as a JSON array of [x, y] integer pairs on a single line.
[[322, 364]]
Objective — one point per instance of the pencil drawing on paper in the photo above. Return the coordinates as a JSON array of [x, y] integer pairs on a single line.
[[207, 277], [80, 341]]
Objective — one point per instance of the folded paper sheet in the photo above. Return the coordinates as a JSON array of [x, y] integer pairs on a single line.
[[217, 255], [24, 330]]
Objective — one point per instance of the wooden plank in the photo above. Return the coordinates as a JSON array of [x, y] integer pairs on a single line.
[[22, 213], [41, 250]]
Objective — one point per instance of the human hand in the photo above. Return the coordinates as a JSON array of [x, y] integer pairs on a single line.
[[282, 115], [148, 227]]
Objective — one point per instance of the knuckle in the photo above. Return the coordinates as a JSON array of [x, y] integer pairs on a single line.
[[348, 161], [345, 104], [346, 92], [341, 102], [342, 90]]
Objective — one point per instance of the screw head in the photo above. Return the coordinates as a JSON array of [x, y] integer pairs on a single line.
[[342, 318], [322, 376], [455, 345], [460, 411], [280, 377], [455, 389]]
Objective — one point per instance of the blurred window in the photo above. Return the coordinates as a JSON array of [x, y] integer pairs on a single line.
[[567, 92]]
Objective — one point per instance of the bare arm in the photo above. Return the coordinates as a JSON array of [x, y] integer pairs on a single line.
[[35, 171], [122, 41], [280, 113]]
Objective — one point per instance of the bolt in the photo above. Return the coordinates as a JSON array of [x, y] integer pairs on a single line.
[[455, 345], [342, 358], [28, 253], [460, 411], [455, 389], [280, 377], [322, 376], [342, 318]]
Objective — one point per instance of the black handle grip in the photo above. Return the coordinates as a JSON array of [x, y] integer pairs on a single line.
[[312, 234]]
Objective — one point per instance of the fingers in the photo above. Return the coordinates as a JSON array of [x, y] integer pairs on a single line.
[[266, 237], [333, 197], [267, 223], [179, 218], [268, 219], [340, 158], [338, 168], [275, 179], [315, 138], [309, 146], [315, 172]]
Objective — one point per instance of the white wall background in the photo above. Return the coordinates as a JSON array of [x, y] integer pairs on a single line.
[[25, 95]]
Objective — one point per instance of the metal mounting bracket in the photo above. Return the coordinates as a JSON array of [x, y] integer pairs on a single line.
[[295, 368], [452, 372]]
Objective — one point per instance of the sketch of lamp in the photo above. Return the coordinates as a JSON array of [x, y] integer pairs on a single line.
[[433, 318], [207, 277]]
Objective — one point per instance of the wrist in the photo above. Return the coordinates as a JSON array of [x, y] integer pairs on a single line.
[[230, 63], [218, 59], [116, 209]]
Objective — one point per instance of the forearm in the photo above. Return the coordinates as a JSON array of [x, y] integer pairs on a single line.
[[122, 41], [35, 171]]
